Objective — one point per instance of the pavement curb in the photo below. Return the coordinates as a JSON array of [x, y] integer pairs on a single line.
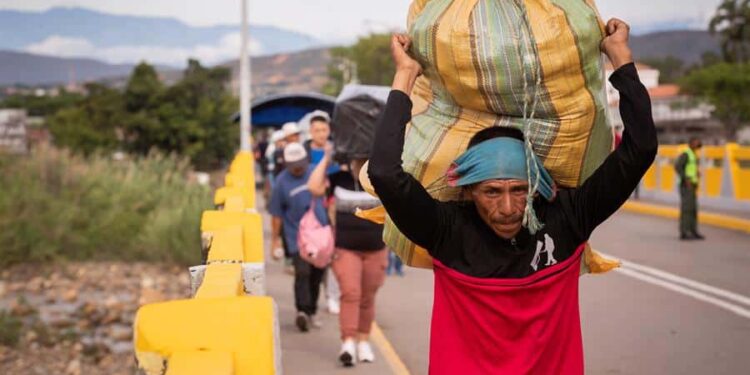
[[397, 365], [713, 219]]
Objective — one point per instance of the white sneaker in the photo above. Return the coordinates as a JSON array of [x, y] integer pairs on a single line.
[[348, 353], [364, 352], [333, 306], [316, 322]]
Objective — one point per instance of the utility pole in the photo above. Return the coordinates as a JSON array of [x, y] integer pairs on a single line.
[[245, 79]]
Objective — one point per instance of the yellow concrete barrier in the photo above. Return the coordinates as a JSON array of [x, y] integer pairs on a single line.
[[226, 244], [247, 194], [649, 179], [252, 230], [220, 331], [667, 156], [201, 362], [242, 172], [712, 169], [242, 326], [222, 280], [243, 162], [237, 180], [739, 164], [725, 171], [235, 203]]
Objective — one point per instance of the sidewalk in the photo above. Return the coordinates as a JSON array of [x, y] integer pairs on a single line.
[[724, 220], [314, 352], [721, 206]]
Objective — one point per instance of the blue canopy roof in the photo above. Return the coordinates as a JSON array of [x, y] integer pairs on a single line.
[[275, 110]]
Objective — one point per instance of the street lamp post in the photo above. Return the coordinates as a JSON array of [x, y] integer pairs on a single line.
[[245, 79]]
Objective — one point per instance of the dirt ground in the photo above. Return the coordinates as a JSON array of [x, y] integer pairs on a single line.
[[76, 318]]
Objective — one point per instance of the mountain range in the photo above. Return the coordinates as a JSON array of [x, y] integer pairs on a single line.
[[19, 68], [686, 45], [68, 43], [79, 32]]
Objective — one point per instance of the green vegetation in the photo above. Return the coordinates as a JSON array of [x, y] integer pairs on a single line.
[[62, 206], [91, 124], [41, 105], [727, 87], [370, 57], [732, 23], [191, 118], [10, 329]]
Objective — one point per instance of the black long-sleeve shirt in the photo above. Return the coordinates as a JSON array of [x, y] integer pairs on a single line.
[[455, 234]]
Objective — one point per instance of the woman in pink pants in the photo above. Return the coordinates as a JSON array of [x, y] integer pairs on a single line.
[[360, 259]]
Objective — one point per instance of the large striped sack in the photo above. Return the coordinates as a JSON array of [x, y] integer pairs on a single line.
[[530, 64]]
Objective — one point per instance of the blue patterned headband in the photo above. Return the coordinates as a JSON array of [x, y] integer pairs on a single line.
[[503, 158]]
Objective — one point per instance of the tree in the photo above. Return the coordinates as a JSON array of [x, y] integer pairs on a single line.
[[191, 118], [41, 105], [143, 88], [91, 125], [727, 87], [709, 58], [732, 22], [370, 58]]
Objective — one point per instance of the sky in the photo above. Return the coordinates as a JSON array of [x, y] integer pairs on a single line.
[[341, 21]]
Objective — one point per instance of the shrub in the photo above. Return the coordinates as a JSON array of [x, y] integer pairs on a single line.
[[10, 329], [59, 206]]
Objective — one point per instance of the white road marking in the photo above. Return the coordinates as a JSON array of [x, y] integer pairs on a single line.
[[718, 297], [732, 296], [745, 313]]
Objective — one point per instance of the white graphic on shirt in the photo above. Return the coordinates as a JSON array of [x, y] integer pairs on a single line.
[[548, 246], [297, 190]]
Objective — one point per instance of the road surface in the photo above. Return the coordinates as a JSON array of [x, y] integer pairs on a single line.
[[674, 308]]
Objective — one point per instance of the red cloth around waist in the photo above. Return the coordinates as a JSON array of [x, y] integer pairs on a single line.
[[507, 326]]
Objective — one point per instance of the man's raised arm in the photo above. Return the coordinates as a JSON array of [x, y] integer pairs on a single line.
[[613, 182], [411, 208]]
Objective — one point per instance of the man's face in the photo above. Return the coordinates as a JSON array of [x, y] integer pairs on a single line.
[[501, 205], [298, 170], [292, 138], [319, 132], [696, 145]]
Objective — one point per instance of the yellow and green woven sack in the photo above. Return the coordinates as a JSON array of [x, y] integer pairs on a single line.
[[530, 64]]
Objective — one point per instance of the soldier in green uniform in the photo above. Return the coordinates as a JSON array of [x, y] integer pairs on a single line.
[[687, 169]]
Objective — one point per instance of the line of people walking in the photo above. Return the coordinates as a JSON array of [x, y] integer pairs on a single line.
[[304, 177]]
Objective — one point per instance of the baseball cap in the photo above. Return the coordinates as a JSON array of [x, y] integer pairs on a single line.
[[295, 155], [290, 128], [319, 113], [277, 136]]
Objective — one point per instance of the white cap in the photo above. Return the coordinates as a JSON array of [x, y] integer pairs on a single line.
[[319, 113], [290, 128], [294, 152], [277, 136]]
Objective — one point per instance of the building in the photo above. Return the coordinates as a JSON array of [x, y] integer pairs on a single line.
[[13, 131], [677, 116]]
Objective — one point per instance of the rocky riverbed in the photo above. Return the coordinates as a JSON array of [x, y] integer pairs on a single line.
[[76, 318]]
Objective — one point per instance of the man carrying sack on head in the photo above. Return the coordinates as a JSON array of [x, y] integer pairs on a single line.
[[506, 258]]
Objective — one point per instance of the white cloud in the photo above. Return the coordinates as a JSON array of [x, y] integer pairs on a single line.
[[647, 14], [228, 47], [344, 20], [63, 47]]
